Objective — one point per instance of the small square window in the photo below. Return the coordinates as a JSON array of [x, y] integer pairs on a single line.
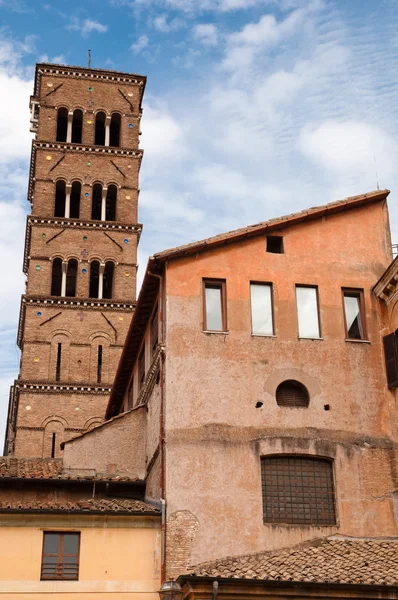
[[275, 244], [354, 314], [60, 559], [214, 305]]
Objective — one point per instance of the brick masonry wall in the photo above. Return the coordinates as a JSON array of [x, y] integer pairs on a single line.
[[180, 537]]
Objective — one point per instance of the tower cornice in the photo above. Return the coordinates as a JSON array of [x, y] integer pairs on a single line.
[[76, 149]]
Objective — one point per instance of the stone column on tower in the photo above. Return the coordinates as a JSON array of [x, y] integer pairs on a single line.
[[80, 253]]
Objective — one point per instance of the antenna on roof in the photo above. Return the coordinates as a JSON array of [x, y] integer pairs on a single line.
[[89, 59], [377, 177]]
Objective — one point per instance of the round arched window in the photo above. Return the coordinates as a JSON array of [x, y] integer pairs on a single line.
[[293, 394]]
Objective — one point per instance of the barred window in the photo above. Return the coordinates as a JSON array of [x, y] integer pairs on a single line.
[[298, 490], [60, 558]]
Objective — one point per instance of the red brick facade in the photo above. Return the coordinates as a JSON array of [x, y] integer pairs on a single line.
[[71, 342]]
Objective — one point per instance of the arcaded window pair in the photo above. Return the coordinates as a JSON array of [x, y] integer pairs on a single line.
[[70, 127], [64, 278], [67, 201]]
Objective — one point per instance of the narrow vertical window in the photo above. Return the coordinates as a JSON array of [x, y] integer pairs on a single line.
[[100, 129], [214, 305], [77, 126], [75, 200], [110, 207], [114, 132], [354, 314], [53, 440], [99, 364], [62, 124], [141, 368], [56, 277], [59, 362], [60, 559], [130, 397], [71, 275], [261, 308], [60, 198], [108, 280], [307, 311], [390, 343], [96, 202], [94, 279], [154, 331]]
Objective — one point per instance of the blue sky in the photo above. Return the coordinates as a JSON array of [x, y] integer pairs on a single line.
[[253, 109]]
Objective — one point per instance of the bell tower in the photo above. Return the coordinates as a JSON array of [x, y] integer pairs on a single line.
[[80, 253]]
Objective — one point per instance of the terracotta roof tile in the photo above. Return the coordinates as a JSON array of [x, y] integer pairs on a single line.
[[92, 505], [42, 468], [329, 560]]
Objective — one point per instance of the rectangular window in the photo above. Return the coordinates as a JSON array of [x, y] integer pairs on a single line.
[[130, 394], [214, 305], [261, 308], [307, 311], [298, 490], [275, 244], [154, 330], [59, 360], [60, 559], [390, 343], [354, 314], [99, 364], [141, 368]]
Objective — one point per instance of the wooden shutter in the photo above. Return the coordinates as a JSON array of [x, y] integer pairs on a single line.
[[390, 343], [292, 393]]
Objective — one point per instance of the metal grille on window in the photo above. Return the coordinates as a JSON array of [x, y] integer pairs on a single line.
[[60, 556], [293, 394], [298, 490]]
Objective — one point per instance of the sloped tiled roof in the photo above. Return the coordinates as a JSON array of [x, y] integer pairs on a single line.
[[92, 505], [329, 560], [45, 468]]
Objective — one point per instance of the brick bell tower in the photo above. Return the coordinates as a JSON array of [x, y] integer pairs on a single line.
[[80, 253]]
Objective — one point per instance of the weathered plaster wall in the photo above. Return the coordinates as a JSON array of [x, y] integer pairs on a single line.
[[118, 446], [215, 435], [119, 558]]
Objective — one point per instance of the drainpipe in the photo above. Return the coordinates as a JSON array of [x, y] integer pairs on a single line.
[[161, 423]]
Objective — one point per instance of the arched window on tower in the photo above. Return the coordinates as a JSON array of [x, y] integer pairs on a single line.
[[75, 200], [77, 126], [71, 275], [100, 129], [114, 133], [60, 198], [94, 279], [111, 196], [62, 124], [108, 279], [56, 277], [96, 202]]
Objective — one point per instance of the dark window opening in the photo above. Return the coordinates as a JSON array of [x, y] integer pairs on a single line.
[[56, 277], [60, 198], [54, 436], [110, 207], [141, 368], [214, 305], [114, 131], [71, 275], [59, 361], [108, 280], [96, 202], [77, 125], [354, 314], [94, 279], [155, 330], [390, 343], [100, 129], [60, 559], [130, 396], [62, 124], [298, 490], [292, 394], [99, 364], [75, 200], [275, 244]]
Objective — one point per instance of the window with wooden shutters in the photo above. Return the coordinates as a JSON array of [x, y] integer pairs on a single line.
[[293, 394], [390, 343], [60, 559], [298, 490]]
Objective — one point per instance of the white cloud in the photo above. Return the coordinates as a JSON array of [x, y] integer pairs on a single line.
[[86, 26], [164, 25], [206, 33], [58, 59], [140, 44]]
